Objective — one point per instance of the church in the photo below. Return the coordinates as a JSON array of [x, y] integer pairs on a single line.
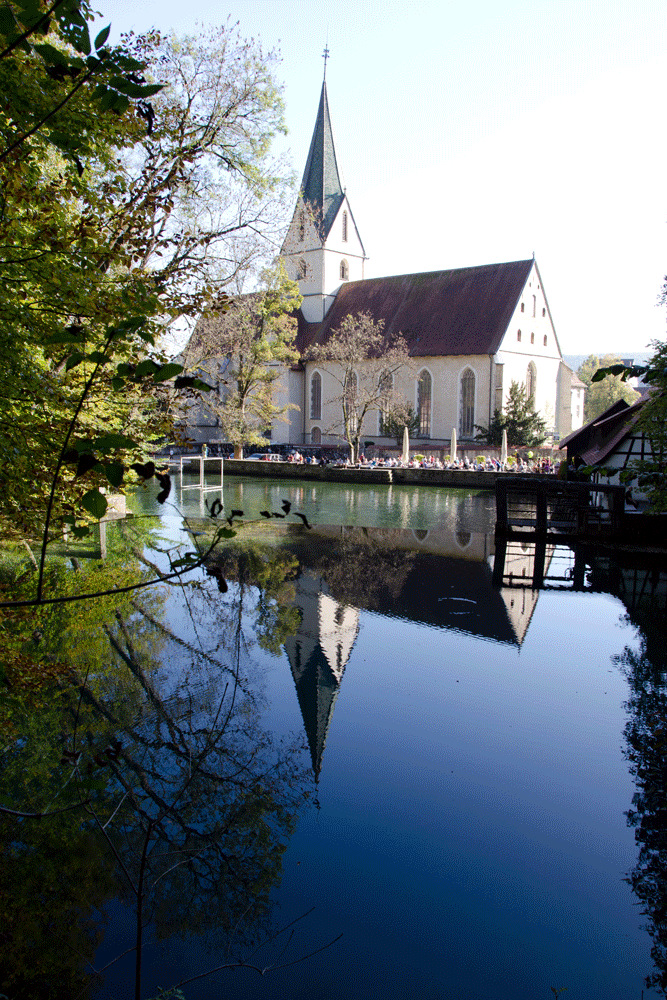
[[471, 331]]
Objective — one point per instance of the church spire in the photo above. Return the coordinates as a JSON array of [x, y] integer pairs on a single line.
[[321, 186]]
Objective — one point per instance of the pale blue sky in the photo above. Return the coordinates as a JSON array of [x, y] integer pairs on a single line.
[[469, 134]]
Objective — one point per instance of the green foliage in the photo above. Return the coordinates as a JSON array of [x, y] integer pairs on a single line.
[[396, 418], [649, 474], [606, 387], [116, 216], [524, 427], [241, 352]]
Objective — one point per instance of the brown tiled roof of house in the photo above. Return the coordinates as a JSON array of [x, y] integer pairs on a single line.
[[595, 441], [463, 311]]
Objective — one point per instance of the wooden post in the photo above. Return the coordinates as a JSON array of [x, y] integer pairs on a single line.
[[499, 562], [501, 508], [538, 565], [541, 513], [579, 568]]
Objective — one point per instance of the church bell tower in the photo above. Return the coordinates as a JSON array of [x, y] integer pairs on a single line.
[[322, 248]]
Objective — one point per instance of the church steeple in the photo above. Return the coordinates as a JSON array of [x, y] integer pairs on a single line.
[[321, 187], [322, 248]]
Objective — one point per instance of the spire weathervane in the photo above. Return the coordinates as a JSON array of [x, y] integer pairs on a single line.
[[325, 56]]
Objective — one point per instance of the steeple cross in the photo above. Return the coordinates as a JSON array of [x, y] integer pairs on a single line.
[[325, 56]]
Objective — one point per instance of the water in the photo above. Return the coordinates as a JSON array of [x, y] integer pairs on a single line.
[[457, 807]]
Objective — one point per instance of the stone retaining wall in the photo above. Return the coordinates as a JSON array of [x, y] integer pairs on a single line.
[[462, 478]]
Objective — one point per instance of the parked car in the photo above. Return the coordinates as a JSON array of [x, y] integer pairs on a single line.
[[259, 456]]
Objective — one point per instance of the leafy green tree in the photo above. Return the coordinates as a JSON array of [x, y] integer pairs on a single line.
[[523, 425], [362, 361], [102, 234], [397, 417], [241, 351], [600, 395], [649, 473]]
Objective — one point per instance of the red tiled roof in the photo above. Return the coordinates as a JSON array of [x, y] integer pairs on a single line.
[[464, 311]]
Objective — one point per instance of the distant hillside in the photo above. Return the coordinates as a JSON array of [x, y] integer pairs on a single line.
[[574, 361]]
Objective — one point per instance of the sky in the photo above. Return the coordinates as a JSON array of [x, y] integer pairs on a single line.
[[477, 133]]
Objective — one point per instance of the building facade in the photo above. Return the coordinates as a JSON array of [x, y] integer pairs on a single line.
[[470, 331]]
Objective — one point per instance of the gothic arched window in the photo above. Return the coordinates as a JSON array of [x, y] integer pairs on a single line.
[[301, 270], [345, 227], [386, 386], [316, 397], [424, 403], [531, 382], [350, 399], [344, 270], [316, 436], [467, 411], [302, 226]]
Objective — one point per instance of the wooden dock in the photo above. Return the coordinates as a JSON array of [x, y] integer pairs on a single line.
[[558, 510]]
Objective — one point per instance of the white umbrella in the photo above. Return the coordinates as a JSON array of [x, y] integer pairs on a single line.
[[452, 447], [503, 449], [405, 458]]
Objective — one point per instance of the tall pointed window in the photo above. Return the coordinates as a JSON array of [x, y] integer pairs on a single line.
[[467, 411], [316, 436], [386, 386], [344, 270], [531, 382], [316, 397], [345, 227], [424, 403], [301, 270], [302, 226], [350, 400]]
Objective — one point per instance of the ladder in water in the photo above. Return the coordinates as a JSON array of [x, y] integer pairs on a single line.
[[202, 461]]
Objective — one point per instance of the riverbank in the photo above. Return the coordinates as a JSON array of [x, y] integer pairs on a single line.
[[465, 479]]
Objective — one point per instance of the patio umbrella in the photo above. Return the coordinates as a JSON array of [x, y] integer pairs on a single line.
[[405, 458], [503, 449], [452, 446]]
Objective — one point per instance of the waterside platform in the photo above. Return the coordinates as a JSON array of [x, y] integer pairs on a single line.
[[464, 479]]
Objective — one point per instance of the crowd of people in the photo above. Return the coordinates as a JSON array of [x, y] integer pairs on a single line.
[[518, 462]]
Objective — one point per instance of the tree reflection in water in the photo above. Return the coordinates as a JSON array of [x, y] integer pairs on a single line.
[[646, 749], [134, 785]]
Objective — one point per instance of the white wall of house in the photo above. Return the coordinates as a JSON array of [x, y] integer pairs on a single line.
[[577, 406]]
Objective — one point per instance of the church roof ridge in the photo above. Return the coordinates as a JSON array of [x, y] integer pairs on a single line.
[[528, 261]]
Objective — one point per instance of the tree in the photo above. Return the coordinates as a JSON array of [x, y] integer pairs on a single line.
[[397, 417], [102, 199], [241, 352], [523, 425], [600, 395], [364, 363], [648, 473]]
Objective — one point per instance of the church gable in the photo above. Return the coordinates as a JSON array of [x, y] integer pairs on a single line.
[[531, 329]]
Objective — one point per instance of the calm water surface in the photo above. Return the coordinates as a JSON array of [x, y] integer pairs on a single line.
[[460, 811]]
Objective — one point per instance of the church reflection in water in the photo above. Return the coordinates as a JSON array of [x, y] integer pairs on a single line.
[[318, 654], [446, 579], [439, 577]]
